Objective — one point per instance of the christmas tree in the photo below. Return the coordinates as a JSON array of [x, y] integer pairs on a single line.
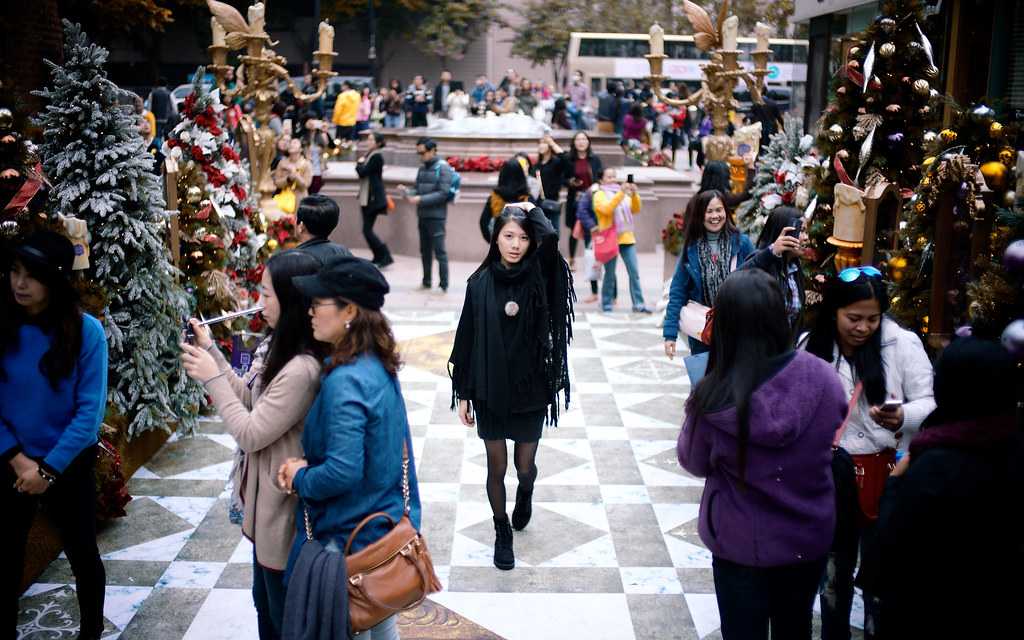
[[22, 188], [781, 173], [873, 129], [101, 172]]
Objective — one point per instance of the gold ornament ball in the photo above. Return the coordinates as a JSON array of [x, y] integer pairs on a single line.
[[6, 119], [193, 195], [920, 243], [932, 72], [929, 137], [920, 207], [922, 87], [925, 181], [886, 50], [898, 263], [272, 243], [927, 161], [888, 25], [894, 108], [1006, 156], [995, 130], [995, 175], [835, 133], [947, 135]]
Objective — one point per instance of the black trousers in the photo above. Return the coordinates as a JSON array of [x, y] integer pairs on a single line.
[[431, 246], [750, 599], [70, 504], [418, 119], [381, 253]]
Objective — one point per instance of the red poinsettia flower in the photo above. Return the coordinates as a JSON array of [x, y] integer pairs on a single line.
[[241, 236], [204, 213], [239, 192], [214, 239], [229, 153], [173, 142], [197, 152], [788, 197], [190, 102], [214, 175]]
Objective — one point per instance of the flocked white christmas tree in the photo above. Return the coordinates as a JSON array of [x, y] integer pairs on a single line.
[[97, 161], [780, 177]]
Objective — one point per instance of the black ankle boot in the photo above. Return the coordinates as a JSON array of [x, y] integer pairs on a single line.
[[504, 558], [524, 508]]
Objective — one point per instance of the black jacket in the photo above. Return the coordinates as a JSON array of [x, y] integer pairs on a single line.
[[774, 266], [323, 249], [596, 168], [438, 103], [372, 170], [949, 540], [552, 176]]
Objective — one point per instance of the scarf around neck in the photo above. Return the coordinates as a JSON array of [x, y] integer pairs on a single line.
[[714, 265]]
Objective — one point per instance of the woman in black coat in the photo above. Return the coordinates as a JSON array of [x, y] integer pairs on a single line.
[[372, 197], [950, 522]]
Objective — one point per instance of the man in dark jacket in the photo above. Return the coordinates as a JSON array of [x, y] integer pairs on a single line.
[[441, 91], [950, 525], [417, 103], [161, 104], [430, 195], [317, 217]]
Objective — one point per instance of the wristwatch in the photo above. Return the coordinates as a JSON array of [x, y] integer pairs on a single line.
[[46, 475]]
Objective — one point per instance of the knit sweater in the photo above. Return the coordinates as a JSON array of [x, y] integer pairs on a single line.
[[267, 425], [52, 425]]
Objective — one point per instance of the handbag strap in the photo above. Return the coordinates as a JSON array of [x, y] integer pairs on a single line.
[[854, 397]]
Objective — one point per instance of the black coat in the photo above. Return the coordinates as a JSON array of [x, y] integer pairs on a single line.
[[596, 168], [373, 169], [949, 541], [552, 176], [323, 249]]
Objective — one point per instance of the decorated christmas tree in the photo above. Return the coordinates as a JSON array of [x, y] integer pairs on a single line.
[[873, 131], [781, 173], [101, 173], [22, 188]]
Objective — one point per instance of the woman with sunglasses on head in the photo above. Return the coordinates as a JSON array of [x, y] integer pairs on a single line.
[[264, 411], [712, 249], [887, 379], [53, 396], [779, 248], [356, 438], [759, 427], [509, 360]]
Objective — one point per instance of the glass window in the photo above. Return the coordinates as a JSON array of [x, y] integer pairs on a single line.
[[800, 53]]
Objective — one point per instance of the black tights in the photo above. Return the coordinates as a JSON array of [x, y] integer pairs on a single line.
[[524, 456]]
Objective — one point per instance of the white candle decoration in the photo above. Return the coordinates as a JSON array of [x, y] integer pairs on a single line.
[[326, 37], [256, 18], [657, 40], [730, 31], [218, 32], [762, 31]]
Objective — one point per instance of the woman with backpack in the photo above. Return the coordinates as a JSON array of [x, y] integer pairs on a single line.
[[509, 361], [712, 249], [759, 427], [887, 381]]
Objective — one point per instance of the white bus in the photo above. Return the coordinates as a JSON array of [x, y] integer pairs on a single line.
[[620, 56]]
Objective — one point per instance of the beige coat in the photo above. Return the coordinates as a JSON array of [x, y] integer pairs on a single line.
[[267, 425]]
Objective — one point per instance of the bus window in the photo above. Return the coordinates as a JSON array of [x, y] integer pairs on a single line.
[[800, 53], [592, 47], [683, 51]]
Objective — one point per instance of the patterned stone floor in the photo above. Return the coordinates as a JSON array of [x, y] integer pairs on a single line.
[[612, 551]]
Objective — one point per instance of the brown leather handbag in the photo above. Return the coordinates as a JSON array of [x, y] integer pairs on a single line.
[[394, 573]]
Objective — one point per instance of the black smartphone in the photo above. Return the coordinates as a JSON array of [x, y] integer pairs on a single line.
[[188, 334], [629, 178], [797, 226]]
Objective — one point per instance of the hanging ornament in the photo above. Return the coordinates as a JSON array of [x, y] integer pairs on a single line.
[[835, 133], [888, 25], [893, 108], [865, 152], [995, 175], [862, 110], [947, 135], [859, 132], [1006, 156], [843, 154], [1013, 339], [929, 137], [927, 161], [920, 207], [982, 112], [193, 195], [853, 52], [886, 50], [924, 110], [870, 99], [922, 87], [869, 66], [1013, 258], [841, 91], [895, 138], [875, 84], [931, 72], [1009, 197], [853, 64], [924, 44], [995, 130]]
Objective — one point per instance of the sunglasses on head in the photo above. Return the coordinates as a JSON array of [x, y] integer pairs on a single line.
[[852, 273]]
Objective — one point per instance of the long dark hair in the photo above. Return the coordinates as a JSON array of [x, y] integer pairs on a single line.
[[509, 214], [696, 211], [590, 145], [293, 335], [750, 328], [824, 337], [778, 219], [716, 177], [62, 319], [512, 183]]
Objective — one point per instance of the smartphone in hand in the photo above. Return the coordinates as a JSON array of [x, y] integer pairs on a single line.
[[890, 405], [629, 178], [797, 227]]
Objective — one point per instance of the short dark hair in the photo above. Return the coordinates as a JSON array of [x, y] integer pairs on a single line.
[[346, 83], [427, 142], [319, 214], [162, 81], [378, 138]]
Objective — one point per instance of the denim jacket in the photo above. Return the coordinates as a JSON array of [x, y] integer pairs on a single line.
[[687, 284]]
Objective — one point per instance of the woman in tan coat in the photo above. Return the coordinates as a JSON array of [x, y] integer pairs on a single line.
[[264, 411], [294, 170]]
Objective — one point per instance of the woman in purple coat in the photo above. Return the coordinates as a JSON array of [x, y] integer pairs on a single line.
[[759, 427]]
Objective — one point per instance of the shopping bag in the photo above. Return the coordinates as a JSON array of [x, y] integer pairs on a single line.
[[696, 367], [694, 320], [592, 269], [606, 244]]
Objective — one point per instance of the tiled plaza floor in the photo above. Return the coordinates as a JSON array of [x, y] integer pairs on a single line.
[[612, 551]]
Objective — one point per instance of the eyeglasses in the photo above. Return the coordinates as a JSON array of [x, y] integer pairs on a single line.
[[852, 273], [314, 305]]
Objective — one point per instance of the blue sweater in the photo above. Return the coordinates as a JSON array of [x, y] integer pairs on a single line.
[[51, 426], [687, 284], [353, 442]]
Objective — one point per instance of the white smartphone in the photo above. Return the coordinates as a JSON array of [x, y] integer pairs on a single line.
[[891, 404]]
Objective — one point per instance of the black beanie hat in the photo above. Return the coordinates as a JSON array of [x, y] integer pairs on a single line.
[[355, 279], [49, 251], [975, 378]]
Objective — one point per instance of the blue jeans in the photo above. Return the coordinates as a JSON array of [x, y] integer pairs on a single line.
[[268, 597], [386, 630], [392, 121], [609, 289]]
